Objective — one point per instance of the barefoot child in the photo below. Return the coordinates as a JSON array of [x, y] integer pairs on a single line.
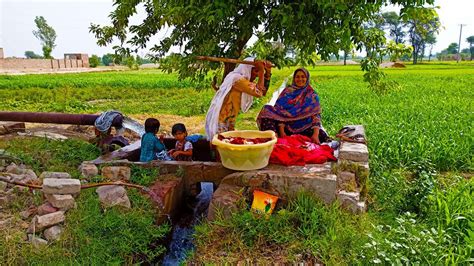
[[183, 150], [151, 145]]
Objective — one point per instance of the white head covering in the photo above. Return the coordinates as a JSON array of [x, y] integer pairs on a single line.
[[212, 117]]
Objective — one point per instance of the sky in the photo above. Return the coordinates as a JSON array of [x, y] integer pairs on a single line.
[[71, 20]]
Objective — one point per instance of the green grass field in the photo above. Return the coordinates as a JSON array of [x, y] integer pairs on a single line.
[[421, 157]]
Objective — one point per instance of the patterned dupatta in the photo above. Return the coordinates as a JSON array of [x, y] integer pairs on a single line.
[[297, 107]]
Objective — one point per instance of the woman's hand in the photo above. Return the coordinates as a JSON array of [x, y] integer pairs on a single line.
[[281, 130], [315, 136]]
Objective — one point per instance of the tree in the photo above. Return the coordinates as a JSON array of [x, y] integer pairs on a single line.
[[395, 26], [107, 59], [421, 22], [470, 40], [46, 34], [224, 28], [452, 48], [431, 41], [32, 55], [94, 61]]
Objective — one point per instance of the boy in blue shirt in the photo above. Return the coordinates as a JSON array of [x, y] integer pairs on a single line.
[[151, 145]]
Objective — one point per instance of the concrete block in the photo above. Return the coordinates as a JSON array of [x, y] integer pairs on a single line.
[[46, 208], [61, 186], [39, 223], [116, 173], [59, 175], [53, 233], [88, 170], [113, 196], [63, 202], [356, 152]]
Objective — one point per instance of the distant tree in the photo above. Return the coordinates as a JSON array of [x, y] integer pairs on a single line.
[[395, 26], [32, 55], [107, 59], [46, 34], [470, 40], [452, 48], [431, 41], [421, 23], [94, 61]]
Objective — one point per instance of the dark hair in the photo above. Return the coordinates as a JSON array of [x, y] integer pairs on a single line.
[[178, 127], [152, 125]]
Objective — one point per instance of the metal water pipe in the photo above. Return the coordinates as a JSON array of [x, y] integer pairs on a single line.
[[55, 118]]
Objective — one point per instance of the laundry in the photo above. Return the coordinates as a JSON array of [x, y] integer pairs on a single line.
[[299, 150]]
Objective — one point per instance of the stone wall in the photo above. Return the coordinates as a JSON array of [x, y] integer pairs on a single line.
[[23, 63]]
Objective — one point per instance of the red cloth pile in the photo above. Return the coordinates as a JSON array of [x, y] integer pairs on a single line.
[[299, 150]]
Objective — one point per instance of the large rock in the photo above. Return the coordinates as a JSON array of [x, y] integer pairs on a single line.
[[113, 196], [11, 127], [46, 208], [88, 170], [59, 175], [39, 223], [116, 173], [63, 202], [61, 186], [53, 233], [37, 241]]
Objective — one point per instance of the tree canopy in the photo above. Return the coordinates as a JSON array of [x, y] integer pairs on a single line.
[[224, 28], [46, 34]]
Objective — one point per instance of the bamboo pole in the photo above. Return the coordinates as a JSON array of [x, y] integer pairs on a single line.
[[226, 60]]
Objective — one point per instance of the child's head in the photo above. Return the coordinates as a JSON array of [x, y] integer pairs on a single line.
[[152, 125], [179, 131]]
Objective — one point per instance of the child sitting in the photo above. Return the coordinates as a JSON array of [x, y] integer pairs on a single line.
[[183, 150], [151, 145]]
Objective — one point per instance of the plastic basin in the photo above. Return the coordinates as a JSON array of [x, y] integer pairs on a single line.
[[244, 157]]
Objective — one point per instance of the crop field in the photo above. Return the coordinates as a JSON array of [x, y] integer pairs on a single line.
[[421, 146]]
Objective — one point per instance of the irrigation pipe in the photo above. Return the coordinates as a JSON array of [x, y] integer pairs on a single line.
[[84, 186]]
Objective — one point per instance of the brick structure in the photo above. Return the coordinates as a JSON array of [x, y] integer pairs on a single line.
[[69, 61]]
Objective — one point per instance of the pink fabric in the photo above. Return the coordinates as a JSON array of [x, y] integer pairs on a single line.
[[299, 150]]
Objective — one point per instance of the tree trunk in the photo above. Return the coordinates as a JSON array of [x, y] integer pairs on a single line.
[[345, 57]]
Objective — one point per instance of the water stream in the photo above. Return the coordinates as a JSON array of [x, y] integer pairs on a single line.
[[133, 125], [182, 237]]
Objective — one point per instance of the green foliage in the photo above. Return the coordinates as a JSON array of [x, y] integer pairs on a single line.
[[44, 154], [144, 176], [422, 22], [46, 34], [32, 55], [114, 236], [94, 61], [223, 28], [452, 48], [275, 52], [395, 26], [306, 227], [396, 51], [107, 59]]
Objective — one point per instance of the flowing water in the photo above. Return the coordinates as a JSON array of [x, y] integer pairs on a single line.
[[133, 125], [182, 238]]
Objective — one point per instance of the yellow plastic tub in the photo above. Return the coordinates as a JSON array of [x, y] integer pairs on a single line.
[[245, 156]]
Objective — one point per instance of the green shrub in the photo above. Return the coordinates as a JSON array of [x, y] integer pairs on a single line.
[[94, 61]]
